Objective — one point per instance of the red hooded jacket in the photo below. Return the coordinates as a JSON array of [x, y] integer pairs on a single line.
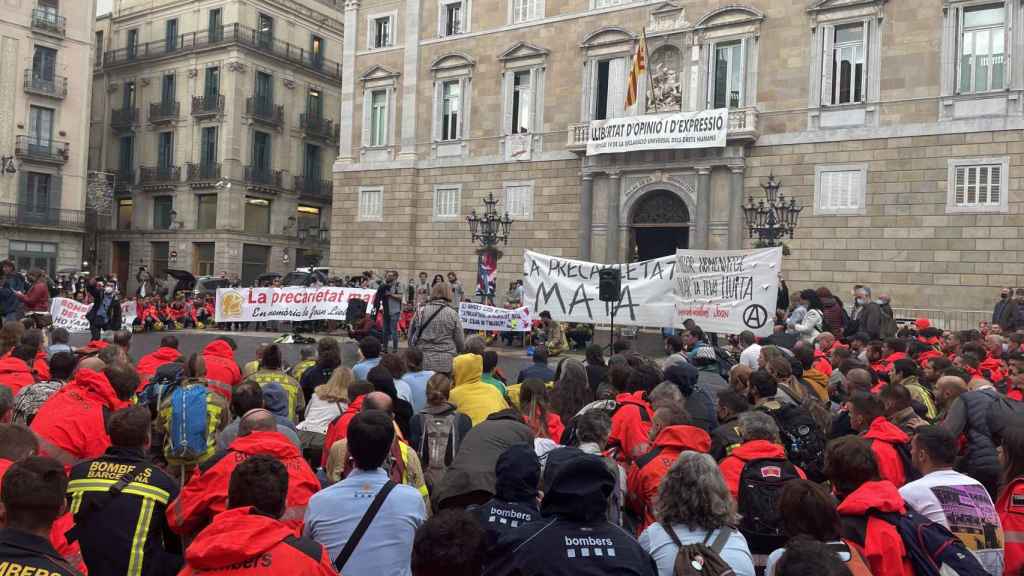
[[206, 494], [646, 473], [927, 355], [877, 541], [150, 362], [243, 541], [338, 430], [732, 465], [1011, 515], [15, 374], [631, 425], [887, 362], [71, 425], [821, 363], [994, 368], [885, 436], [221, 365]]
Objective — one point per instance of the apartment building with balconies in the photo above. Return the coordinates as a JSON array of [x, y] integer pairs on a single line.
[[216, 122]]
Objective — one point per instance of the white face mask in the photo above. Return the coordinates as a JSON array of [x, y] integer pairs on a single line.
[[109, 290]]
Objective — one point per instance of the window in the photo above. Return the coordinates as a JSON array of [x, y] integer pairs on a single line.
[[451, 106], [36, 197], [28, 255], [257, 215], [161, 255], [315, 103], [526, 10], [99, 48], [522, 117], [264, 94], [452, 18], [381, 32], [840, 189], [125, 207], [379, 118], [607, 3], [202, 258], [126, 155], [44, 63], [128, 95], [254, 262], [171, 35], [132, 44], [261, 151], [215, 25], [165, 151], [316, 50], [446, 201], [519, 200], [307, 218], [311, 168], [168, 90], [982, 49], [848, 77], [208, 148], [206, 213], [162, 207], [978, 185], [265, 31], [728, 70], [609, 81], [40, 127], [211, 87], [371, 204]]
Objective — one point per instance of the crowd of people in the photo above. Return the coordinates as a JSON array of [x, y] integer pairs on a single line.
[[835, 446]]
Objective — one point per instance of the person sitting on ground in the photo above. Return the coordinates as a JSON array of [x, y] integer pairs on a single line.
[[904, 371], [417, 377], [32, 397], [247, 397], [867, 415], [338, 428], [59, 342], [535, 405], [699, 402], [592, 430], [517, 486], [333, 514], [472, 396], [438, 422], [370, 350], [249, 537], [167, 352], [395, 364], [449, 544], [328, 358], [253, 365], [490, 366], [539, 369], [899, 408], [726, 437], [221, 365], [811, 557], [307, 359], [170, 416], [760, 441], [271, 371], [325, 405], [16, 370]]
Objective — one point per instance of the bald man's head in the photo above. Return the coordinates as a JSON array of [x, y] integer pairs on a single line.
[[947, 389], [377, 401], [257, 420], [858, 379]]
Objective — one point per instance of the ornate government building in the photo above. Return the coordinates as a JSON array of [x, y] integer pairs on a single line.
[[897, 125]]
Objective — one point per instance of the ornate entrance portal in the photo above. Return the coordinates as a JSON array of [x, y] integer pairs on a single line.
[[660, 224]]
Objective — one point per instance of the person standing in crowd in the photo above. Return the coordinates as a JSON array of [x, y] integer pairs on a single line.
[[458, 292], [811, 322], [422, 291], [1006, 314], [33, 499], [389, 302], [105, 313], [759, 435], [899, 408], [833, 311], [866, 316], [36, 302], [968, 415], [333, 515], [437, 331]]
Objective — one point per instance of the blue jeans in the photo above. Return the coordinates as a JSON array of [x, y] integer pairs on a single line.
[[391, 330]]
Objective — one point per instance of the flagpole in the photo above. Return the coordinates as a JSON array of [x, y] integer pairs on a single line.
[[647, 69]]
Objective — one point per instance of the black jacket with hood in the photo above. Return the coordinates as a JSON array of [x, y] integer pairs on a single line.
[[515, 498], [700, 404]]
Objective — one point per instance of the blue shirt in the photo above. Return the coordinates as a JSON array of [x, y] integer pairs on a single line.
[[536, 370], [418, 386], [361, 369], [386, 548]]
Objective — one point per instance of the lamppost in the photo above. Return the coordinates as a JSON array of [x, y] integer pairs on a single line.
[[488, 229], [312, 235], [772, 217]]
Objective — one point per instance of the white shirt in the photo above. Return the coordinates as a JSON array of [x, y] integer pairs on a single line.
[[961, 504], [750, 356]]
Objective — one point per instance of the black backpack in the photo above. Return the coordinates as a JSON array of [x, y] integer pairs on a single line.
[[761, 483], [931, 548], [803, 440]]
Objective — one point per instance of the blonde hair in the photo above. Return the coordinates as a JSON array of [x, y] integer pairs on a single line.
[[441, 290], [336, 388], [438, 388]]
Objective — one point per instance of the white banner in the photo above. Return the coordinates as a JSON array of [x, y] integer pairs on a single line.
[[293, 303], [70, 314], [728, 291], [704, 129], [568, 289], [491, 319]]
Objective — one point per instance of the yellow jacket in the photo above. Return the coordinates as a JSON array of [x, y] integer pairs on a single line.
[[471, 395]]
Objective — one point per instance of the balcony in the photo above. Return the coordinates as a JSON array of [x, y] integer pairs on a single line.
[[205, 106], [264, 179], [162, 112], [202, 175], [230, 34], [52, 87], [315, 126], [263, 110], [742, 130], [48, 22], [28, 216], [314, 188], [44, 150], [123, 180], [124, 118], [159, 176]]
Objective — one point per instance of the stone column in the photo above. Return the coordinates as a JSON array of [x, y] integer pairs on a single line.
[[736, 208], [611, 254], [348, 81], [410, 71], [586, 215], [703, 208]]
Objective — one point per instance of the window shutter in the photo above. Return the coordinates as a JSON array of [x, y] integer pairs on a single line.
[[388, 121], [866, 55], [56, 190], [828, 36], [460, 125], [437, 111], [590, 89], [744, 51], [1008, 33], [537, 106], [960, 186], [709, 72], [995, 181], [507, 87], [23, 195], [616, 88]]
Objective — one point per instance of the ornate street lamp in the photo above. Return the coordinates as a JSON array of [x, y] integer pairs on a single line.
[[488, 229], [772, 217]]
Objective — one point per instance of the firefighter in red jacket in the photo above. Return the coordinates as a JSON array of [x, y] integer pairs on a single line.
[[631, 425], [249, 538], [16, 370], [760, 437], [220, 362], [167, 352], [204, 495], [867, 416], [670, 436]]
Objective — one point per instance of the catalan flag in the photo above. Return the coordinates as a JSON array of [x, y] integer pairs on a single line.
[[639, 68]]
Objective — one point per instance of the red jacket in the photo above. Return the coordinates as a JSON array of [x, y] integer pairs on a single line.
[[885, 436], [15, 374], [646, 473], [631, 424], [1010, 507], [993, 369], [880, 544], [927, 355], [221, 365], [886, 363], [71, 425], [42, 365], [732, 465], [206, 494], [150, 362], [243, 541], [821, 363], [338, 429], [37, 299]]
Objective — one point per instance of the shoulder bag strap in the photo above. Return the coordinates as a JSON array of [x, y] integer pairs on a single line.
[[671, 534], [115, 489], [364, 524], [723, 536], [423, 326]]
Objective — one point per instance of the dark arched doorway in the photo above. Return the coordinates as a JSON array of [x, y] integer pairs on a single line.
[[660, 224]]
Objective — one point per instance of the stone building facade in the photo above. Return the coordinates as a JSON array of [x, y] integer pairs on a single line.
[[897, 125], [216, 123], [46, 54]]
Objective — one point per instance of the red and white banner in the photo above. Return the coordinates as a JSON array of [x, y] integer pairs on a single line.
[[70, 314], [292, 303]]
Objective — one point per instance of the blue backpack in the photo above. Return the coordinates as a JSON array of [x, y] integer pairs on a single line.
[[188, 423], [931, 548]]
